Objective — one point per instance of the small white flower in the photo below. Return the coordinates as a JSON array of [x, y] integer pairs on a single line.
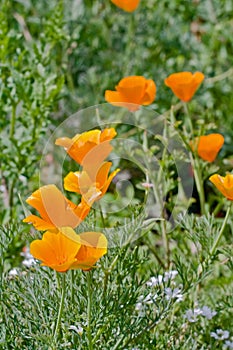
[[170, 275], [155, 281], [78, 329], [13, 272], [173, 294], [229, 344], [208, 313], [138, 307], [192, 315], [220, 334], [29, 262]]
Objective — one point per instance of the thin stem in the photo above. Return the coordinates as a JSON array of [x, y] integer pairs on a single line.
[[196, 166], [57, 280], [166, 243], [189, 120], [13, 119], [57, 328], [220, 77], [107, 274], [217, 240], [72, 286], [11, 197], [199, 183], [101, 215], [154, 251], [218, 208], [89, 301]]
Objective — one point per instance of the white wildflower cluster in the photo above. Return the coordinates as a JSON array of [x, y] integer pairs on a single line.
[[173, 294], [221, 335], [28, 261], [13, 272], [193, 315], [161, 279], [143, 301], [168, 293]]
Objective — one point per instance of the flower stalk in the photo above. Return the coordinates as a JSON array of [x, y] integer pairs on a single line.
[[89, 302], [60, 311], [218, 238], [196, 166]]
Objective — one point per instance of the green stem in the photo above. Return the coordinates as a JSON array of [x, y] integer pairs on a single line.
[[13, 119], [11, 197], [154, 251], [72, 286], [101, 215], [57, 328], [217, 208], [196, 165], [199, 183], [89, 336], [57, 280], [189, 120], [107, 274], [216, 242]]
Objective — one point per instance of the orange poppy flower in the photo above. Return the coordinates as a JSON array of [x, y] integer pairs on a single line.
[[93, 247], [55, 209], [126, 5], [184, 84], [131, 92], [91, 147], [208, 146], [92, 184], [67, 250], [56, 250], [223, 184]]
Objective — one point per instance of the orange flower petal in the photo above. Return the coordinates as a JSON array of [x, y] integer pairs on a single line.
[[109, 180], [150, 92], [80, 145], [223, 184], [107, 134], [132, 88], [71, 182], [38, 223], [92, 136], [96, 156], [116, 99], [93, 247], [126, 5], [102, 174], [55, 209], [209, 146], [56, 250], [92, 186], [131, 92], [184, 84]]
